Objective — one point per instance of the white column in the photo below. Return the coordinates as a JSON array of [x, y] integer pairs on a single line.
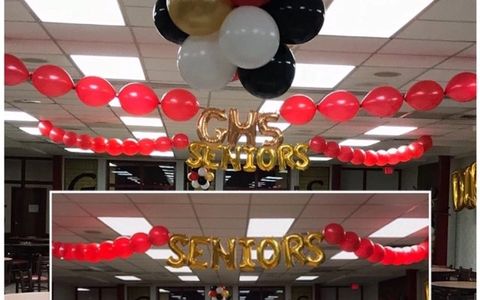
[[288, 292], [219, 174], [207, 289], [294, 179], [235, 294], [153, 292], [102, 169], [179, 175]]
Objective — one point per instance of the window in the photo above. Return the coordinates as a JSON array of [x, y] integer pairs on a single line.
[[315, 179], [181, 293], [80, 174], [141, 175], [258, 180], [261, 293]]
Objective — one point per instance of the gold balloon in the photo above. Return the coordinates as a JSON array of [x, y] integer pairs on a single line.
[[202, 126], [228, 158], [272, 159], [266, 130], [293, 251], [209, 157], [285, 153], [210, 176], [471, 186], [194, 252], [313, 247], [246, 263], [249, 165], [195, 158], [177, 249], [272, 262], [198, 17], [228, 256], [301, 153], [237, 128], [225, 294]]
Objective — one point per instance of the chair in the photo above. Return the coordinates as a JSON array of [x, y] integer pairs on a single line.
[[23, 281], [41, 276], [464, 274]]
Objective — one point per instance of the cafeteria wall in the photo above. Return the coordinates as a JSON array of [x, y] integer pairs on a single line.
[[63, 291]]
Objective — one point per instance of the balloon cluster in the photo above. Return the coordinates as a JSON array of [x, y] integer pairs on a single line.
[[219, 293], [200, 178], [122, 247], [371, 158], [364, 248], [135, 98], [384, 101], [221, 37], [112, 146]]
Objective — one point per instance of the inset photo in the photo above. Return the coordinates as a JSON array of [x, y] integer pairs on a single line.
[[255, 246]]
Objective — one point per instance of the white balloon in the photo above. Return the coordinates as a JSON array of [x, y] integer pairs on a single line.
[[195, 184], [249, 37], [219, 290], [202, 64], [205, 186], [202, 171]]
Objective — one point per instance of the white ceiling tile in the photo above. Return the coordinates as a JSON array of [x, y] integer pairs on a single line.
[[14, 46], [343, 44], [25, 30], [16, 11], [433, 30], [148, 35], [446, 10], [423, 47], [89, 33], [459, 63], [101, 48], [140, 16], [330, 58], [406, 61]]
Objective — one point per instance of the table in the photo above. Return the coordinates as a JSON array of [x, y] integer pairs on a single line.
[[28, 296], [440, 269], [453, 284]]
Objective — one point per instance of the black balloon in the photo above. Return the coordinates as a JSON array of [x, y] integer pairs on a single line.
[[219, 297], [165, 25], [299, 21], [201, 180], [273, 79]]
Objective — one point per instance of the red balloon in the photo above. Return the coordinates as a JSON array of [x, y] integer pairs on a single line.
[[378, 254], [358, 156], [179, 105], [58, 249], [424, 95], [365, 249], [426, 141], [339, 106], [94, 91], [56, 135], [462, 87], [69, 251], [80, 250], [107, 251], [92, 253], [147, 146], [334, 234], [140, 242], [192, 176], [158, 235], [346, 154], [99, 144], [114, 147], [332, 149], [371, 158], [180, 141], [404, 153], [70, 139], [351, 242], [85, 141], [250, 2], [317, 144], [389, 257], [52, 81], [382, 158], [163, 144], [399, 257], [393, 157], [130, 147], [121, 247], [298, 109], [15, 70], [45, 127], [417, 149], [137, 99], [383, 101]]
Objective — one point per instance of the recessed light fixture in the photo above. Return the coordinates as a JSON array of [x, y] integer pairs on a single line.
[[148, 134], [364, 16], [94, 12], [128, 278], [162, 154], [320, 75], [390, 130], [111, 67], [319, 158], [126, 226], [178, 270], [401, 227], [18, 116], [306, 278], [78, 150], [358, 142], [269, 227], [344, 255], [140, 121], [31, 130], [248, 278], [271, 106], [188, 278], [160, 253]]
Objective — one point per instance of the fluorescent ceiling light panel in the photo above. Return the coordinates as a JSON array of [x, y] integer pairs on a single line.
[[160, 253], [390, 130], [267, 254], [19, 116], [139, 121], [269, 227], [370, 18], [280, 125], [148, 134], [248, 278], [126, 226], [162, 154], [178, 270], [94, 12], [78, 150], [401, 227], [258, 139], [83, 290], [320, 75], [111, 67], [163, 291], [115, 103], [188, 278], [319, 158], [271, 106], [343, 255], [31, 130], [306, 278], [128, 278], [358, 142]]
